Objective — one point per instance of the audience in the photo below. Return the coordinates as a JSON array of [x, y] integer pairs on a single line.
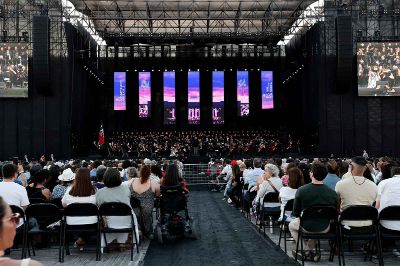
[[98, 183], [295, 181], [66, 179], [11, 192], [8, 224], [271, 183], [82, 191], [331, 178], [37, 190], [145, 189], [114, 191], [356, 190], [313, 194], [389, 195], [236, 188]]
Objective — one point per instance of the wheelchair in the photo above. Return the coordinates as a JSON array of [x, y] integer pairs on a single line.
[[173, 220]]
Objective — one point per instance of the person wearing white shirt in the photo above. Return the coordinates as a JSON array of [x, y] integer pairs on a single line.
[[82, 191], [251, 180], [389, 195], [296, 180], [13, 193], [271, 183]]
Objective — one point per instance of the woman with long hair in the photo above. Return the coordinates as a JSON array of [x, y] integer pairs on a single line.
[[82, 191], [145, 189], [173, 178], [287, 193], [8, 225]]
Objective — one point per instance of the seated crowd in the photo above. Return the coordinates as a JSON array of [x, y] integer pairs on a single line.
[[96, 183], [337, 183]]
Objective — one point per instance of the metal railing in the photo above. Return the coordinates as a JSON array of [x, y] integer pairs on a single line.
[[199, 174]]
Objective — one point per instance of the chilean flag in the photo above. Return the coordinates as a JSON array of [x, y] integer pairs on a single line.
[[101, 134]]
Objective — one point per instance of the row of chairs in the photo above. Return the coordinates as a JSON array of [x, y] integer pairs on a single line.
[[338, 233], [49, 214]]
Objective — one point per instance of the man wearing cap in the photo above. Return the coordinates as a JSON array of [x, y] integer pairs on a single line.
[[356, 190]]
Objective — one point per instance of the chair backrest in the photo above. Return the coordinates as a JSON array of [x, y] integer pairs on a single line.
[[172, 198], [57, 202], [289, 205], [271, 197], [135, 202], [115, 209], [44, 213], [37, 200], [319, 212], [81, 210], [390, 213], [323, 215], [359, 213]]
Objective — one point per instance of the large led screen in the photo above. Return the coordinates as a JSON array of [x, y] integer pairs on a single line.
[[169, 98], [144, 94], [267, 90], [242, 86], [14, 70], [378, 68], [194, 98], [119, 91], [218, 97]]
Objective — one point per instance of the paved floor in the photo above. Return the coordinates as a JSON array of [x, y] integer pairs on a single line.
[[224, 238]]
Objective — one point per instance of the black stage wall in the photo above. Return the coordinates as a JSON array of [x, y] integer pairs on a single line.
[[39, 124], [343, 123], [43, 124]]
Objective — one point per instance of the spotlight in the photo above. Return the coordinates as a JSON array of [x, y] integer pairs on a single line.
[[198, 69], [152, 70], [231, 69], [189, 70], [258, 69]]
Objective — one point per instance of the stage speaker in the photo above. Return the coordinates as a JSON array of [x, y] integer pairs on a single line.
[[41, 54], [344, 54]]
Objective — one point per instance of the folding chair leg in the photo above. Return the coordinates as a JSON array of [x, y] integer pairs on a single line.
[[297, 247], [302, 249], [284, 236]]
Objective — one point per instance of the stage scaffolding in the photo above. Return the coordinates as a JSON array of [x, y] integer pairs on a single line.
[[228, 28]]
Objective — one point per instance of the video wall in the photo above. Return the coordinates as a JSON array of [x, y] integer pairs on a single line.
[[194, 98], [169, 98], [378, 68], [144, 94], [194, 90], [14, 72], [243, 100]]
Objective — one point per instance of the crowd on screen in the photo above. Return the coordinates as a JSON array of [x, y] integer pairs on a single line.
[[379, 65], [13, 66], [339, 183], [208, 143]]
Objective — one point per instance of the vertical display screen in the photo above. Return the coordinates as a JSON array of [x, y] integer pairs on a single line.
[[218, 97], [144, 94], [169, 98], [119, 91], [194, 98], [242, 86], [267, 90]]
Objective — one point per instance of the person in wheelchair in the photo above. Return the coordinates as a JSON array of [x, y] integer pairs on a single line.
[[173, 201]]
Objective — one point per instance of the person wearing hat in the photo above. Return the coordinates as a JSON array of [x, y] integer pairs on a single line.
[[66, 178], [356, 190]]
